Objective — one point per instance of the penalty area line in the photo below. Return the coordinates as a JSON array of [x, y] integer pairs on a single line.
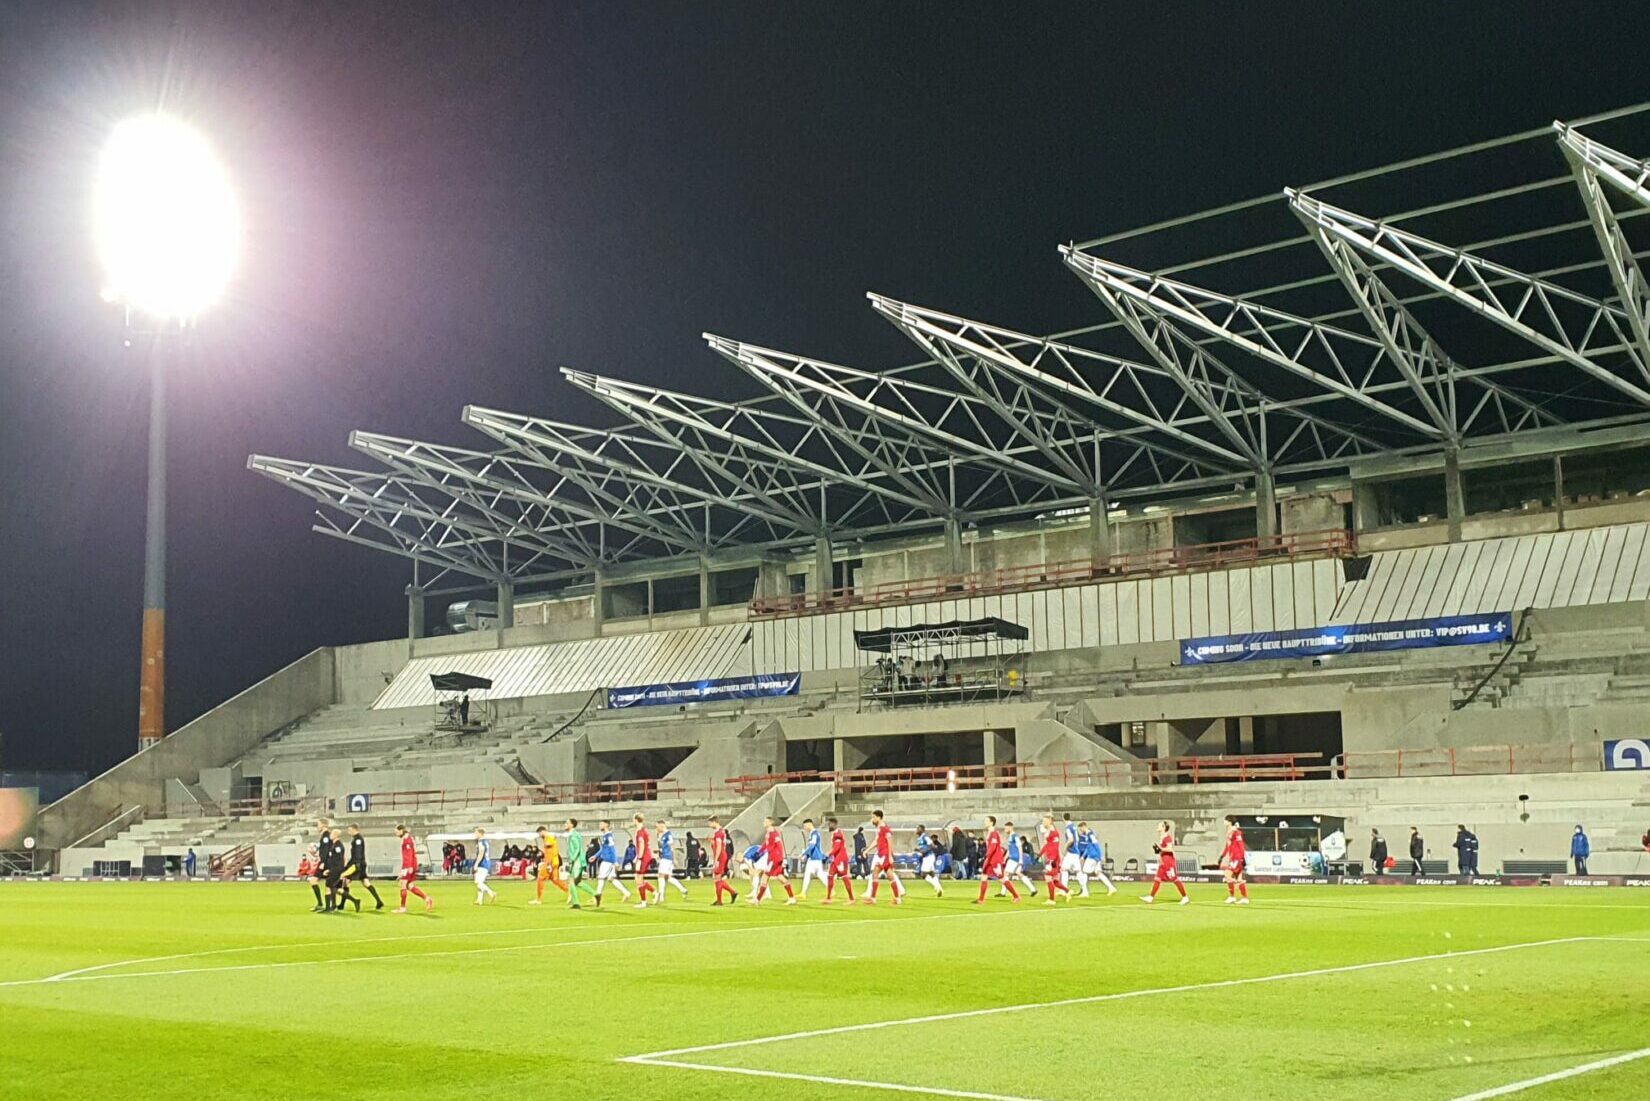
[[1557, 1076]]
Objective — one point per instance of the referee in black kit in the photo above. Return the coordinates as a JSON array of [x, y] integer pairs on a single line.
[[357, 870], [323, 845]]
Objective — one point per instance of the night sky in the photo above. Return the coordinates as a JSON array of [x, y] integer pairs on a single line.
[[445, 203]]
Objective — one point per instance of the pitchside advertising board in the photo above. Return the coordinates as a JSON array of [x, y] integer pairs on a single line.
[[1355, 638], [701, 691]]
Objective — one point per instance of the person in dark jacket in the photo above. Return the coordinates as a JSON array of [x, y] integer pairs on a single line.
[[960, 853], [1377, 853], [1466, 850], [1417, 850], [1580, 850], [860, 867]]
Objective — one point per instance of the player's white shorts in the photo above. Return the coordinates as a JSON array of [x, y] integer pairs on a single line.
[[815, 868], [481, 876], [607, 870], [667, 868], [1072, 863], [1012, 868], [928, 864], [1091, 866]]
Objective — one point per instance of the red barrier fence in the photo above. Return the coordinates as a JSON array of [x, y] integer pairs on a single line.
[[1334, 543], [1148, 771], [1495, 760]]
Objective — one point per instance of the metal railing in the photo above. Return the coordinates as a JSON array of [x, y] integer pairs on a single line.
[[1501, 760], [1332, 542]]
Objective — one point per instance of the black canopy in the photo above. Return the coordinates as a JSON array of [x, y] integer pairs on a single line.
[[882, 639], [457, 682]]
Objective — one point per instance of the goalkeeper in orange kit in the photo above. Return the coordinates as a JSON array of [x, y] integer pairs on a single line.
[[549, 865]]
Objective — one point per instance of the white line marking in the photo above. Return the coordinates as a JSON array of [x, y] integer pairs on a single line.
[[1093, 999], [95, 975], [825, 1080], [1557, 1076]]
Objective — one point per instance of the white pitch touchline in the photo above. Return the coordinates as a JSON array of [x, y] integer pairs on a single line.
[[826, 1080], [1557, 1076], [1091, 999], [828, 922]]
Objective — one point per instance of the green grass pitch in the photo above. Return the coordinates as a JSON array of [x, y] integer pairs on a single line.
[[205, 991]]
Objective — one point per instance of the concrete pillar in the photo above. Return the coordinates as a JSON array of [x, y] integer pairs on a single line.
[[1455, 505], [822, 563], [955, 562], [1246, 734], [1100, 547], [1266, 504], [847, 754], [704, 591], [415, 613], [598, 603], [1558, 489], [1366, 514], [506, 604]]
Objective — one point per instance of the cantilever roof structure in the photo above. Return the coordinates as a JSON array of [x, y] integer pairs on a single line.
[[1377, 314]]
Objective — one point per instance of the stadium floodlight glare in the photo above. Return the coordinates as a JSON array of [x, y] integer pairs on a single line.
[[165, 218]]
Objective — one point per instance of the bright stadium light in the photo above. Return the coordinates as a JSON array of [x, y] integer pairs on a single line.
[[165, 219]]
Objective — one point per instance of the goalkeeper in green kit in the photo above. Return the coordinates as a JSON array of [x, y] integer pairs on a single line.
[[577, 864]]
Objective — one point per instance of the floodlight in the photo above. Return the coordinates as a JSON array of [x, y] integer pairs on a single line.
[[166, 221]]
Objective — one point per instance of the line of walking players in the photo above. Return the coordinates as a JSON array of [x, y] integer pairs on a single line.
[[1465, 846]]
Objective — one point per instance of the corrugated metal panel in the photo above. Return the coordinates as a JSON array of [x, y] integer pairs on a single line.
[[579, 666], [1548, 570]]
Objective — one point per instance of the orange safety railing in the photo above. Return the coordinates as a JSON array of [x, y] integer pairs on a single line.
[[1502, 760], [1334, 542], [1110, 773]]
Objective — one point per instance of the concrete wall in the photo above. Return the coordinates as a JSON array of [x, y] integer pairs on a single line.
[[360, 672], [215, 739]]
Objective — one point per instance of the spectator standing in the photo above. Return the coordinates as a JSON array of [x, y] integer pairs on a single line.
[[1580, 850], [861, 869], [189, 864], [1466, 850], [1417, 850], [1377, 853], [960, 853]]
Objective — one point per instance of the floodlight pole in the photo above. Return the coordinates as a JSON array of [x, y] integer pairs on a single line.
[[152, 676]]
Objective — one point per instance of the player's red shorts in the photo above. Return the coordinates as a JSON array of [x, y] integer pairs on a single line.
[[838, 867], [1166, 869], [722, 868], [994, 870], [1236, 867], [408, 875]]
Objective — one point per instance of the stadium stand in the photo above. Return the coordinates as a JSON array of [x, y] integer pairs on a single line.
[[1261, 561]]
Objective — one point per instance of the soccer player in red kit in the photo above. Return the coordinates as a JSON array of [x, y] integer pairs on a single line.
[[644, 857], [773, 850], [409, 871], [1049, 854], [1234, 860], [882, 863], [1167, 872], [836, 863], [995, 864], [721, 859]]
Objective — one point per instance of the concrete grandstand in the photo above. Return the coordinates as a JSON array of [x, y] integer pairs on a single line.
[[1290, 457]]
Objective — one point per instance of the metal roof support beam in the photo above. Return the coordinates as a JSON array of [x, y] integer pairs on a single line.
[[1563, 322], [1594, 165], [774, 444], [490, 479], [905, 419], [385, 511], [1063, 374], [1149, 304], [622, 481]]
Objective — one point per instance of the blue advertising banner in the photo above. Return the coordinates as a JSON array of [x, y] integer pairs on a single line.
[[1627, 755], [1355, 638], [700, 691]]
